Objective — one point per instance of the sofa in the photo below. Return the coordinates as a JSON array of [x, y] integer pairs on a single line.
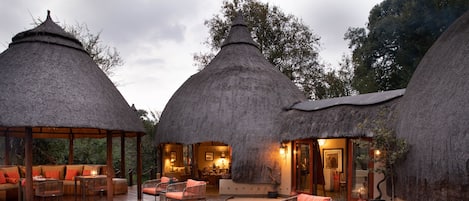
[[12, 177]]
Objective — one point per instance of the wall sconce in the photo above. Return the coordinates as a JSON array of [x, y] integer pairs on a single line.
[[222, 155], [321, 142], [283, 149], [377, 152]]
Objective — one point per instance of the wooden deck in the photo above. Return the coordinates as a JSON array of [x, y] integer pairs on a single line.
[[212, 195]]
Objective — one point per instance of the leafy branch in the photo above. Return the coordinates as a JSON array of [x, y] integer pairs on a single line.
[[389, 149]]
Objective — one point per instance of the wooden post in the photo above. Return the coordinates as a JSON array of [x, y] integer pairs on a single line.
[[28, 160], [122, 173], [110, 169], [139, 166], [70, 148], [7, 149]]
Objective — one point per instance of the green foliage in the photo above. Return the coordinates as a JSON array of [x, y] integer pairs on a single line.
[[283, 39], [392, 149], [399, 32], [50, 151]]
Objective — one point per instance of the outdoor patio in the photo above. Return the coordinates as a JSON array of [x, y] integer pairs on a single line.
[[212, 195]]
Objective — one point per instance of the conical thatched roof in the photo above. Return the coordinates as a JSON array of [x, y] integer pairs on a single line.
[[434, 119], [339, 117], [236, 99], [48, 82]]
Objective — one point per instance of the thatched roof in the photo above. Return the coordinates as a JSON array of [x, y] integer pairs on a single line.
[[48, 82], [434, 119], [236, 99], [339, 117]]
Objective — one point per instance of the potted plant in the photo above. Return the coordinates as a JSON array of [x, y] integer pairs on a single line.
[[275, 183], [388, 151]]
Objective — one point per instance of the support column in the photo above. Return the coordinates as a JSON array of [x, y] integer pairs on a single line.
[[70, 149], [110, 168], [139, 166], [122, 173], [7, 150], [28, 162]]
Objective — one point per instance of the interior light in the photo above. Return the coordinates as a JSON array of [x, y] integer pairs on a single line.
[[321, 142], [377, 152]]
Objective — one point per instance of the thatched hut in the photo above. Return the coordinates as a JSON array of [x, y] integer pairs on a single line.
[[434, 120], [51, 88], [237, 100]]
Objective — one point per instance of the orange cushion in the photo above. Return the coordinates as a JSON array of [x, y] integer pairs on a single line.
[[86, 172], [191, 182], [53, 174], [306, 197], [2, 178], [174, 195], [151, 191], [60, 168], [71, 174], [165, 179], [36, 172], [13, 174], [12, 180]]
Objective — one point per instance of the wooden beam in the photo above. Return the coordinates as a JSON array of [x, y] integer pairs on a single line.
[[110, 169]]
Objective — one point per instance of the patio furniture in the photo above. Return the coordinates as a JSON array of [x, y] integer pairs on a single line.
[[154, 187], [306, 197], [91, 185], [190, 190], [49, 189]]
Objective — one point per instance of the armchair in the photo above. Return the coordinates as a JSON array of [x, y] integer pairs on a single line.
[[155, 186], [190, 190]]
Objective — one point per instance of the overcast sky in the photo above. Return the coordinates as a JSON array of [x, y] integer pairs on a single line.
[[157, 38]]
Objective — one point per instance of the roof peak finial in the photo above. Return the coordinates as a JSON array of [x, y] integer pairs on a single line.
[[48, 14]]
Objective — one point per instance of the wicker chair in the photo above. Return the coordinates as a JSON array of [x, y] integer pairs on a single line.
[[190, 190], [155, 186], [49, 188], [306, 197]]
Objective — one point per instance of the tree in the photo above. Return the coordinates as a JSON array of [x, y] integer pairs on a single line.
[[399, 32], [283, 39], [339, 82], [106, 57], [389, 149]]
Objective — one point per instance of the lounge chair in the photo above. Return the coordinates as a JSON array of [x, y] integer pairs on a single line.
[[154, 187], [190, 190]]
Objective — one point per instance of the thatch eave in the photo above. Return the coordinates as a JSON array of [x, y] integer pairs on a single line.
[[337, 121]]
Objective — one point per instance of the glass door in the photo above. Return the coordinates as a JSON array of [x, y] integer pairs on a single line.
[[303, 176], [361, 180], [308, 169]]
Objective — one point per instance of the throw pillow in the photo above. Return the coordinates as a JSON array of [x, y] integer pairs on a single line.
[[2, 178], [71, 174]]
